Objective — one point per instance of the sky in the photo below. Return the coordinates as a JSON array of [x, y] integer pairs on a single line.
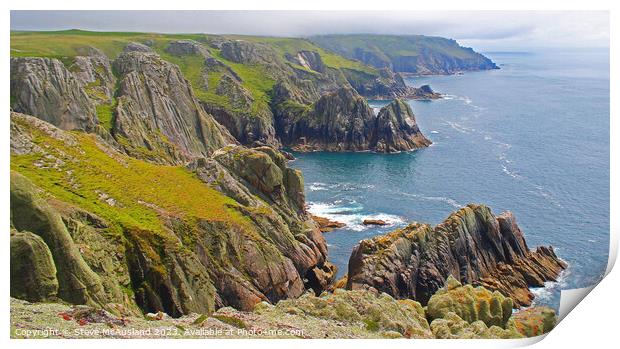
[[482, 30]]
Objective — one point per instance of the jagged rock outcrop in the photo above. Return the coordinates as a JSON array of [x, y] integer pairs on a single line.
[[138, 47], [339, 121], [397, 129], [158, 116], [343, 121], [33, 273], [43, 87], [94, 72], [187, 47], [472, 245], [246, 52], [308, 59], [387, 85]]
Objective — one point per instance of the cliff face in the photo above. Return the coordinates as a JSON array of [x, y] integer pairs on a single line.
[[158, 116], [472, 245], [343, 121], [44, 87], [171, 99], [415, 54], [230, 230]]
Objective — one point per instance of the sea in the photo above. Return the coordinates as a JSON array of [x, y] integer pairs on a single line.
[[531, 137]]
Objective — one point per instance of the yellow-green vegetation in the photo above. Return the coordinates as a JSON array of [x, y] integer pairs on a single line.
[[105, 114], [127, 192]]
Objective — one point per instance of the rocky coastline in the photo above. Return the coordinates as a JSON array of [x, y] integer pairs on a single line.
[[472, 245], [139, 186]]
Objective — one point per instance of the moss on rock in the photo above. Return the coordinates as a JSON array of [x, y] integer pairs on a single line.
[[33, 273]]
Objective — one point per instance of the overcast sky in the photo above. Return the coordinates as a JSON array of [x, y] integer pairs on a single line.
[[483, 30]]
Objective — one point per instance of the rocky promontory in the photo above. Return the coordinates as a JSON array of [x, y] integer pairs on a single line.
[[343, 121], [472, 245]]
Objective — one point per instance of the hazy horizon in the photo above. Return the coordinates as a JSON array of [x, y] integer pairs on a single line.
[[482, 30]]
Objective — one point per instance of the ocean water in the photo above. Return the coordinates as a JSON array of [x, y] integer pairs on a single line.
[[531, 138]]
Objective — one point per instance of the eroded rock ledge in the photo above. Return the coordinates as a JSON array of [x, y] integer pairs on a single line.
[[472, 245]]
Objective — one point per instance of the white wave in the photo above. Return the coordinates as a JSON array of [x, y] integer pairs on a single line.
[[543, 294], [444, 199], [317, 186], [460, 128], [510, 173], [351, 215], [434, 132]]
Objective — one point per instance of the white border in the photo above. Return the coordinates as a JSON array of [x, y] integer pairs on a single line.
[[594, 323]]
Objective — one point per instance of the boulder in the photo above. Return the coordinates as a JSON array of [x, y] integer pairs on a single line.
[[374, 222], [33, 273], [470, 304], [77, 283], [187, 47], [327, 225]]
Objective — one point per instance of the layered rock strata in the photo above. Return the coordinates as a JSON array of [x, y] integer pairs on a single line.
[[472, 245]]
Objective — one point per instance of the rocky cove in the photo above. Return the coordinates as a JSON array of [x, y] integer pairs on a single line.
[[151, 181]]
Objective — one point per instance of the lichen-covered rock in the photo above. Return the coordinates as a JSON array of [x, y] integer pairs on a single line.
[[470, 304], [451, 326], [138, 47], [33, 273], [380, 314], [44, 88], [158, 117], [472, 245], [532, 322]]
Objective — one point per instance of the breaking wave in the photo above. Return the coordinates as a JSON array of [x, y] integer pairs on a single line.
[[352, 214]]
